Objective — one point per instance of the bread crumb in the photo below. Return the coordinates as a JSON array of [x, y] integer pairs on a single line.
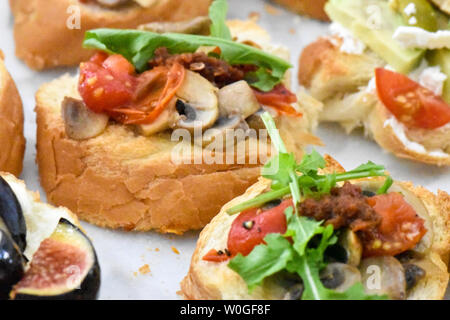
[[157, 249], [175, 250], [255, 16], [292, 31], [272, 10], [144, 269], [135, 274]]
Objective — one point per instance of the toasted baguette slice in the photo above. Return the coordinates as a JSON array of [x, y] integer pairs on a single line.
[[211, 280], [312, 8], [123, 180], [343, 82], [46, 36], [12, 141]]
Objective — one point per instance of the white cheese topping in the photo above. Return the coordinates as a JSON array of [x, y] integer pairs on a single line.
[[430, 77], [433, 79], [414, 37], [350, 44], [410, 9], [399, 131], [41, 219]]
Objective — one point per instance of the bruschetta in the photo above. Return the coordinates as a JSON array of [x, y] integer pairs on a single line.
[[311, 231], [11, 123], [44, 254], [49, 33], [387, 72], [118, 157]]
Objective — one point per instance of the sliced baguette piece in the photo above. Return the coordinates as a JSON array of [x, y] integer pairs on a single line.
[[12, 141], [46, 37], [312, 8], [215, 281], [345, 84], [123, 180]]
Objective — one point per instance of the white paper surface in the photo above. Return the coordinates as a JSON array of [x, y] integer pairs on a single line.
[[121, 254]]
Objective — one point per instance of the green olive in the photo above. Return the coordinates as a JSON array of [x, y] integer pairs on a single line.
[[425, 16]]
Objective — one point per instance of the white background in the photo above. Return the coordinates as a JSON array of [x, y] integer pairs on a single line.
[[121, 254]]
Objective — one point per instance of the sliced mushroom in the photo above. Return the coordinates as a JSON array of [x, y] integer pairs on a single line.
[[112, 3], [255, 122], [165, 121], [237, 99], [353, 247], [197, 105], [80, 122], [295, 292], [413, 273], [199, 25], [383, 276], [339, 276], [224, 128]]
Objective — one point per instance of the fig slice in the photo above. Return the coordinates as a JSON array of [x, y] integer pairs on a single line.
[[65, 267], [11, 215]]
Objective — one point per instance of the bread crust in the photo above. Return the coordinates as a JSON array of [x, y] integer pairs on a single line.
[[11, 124], [342, 82], [215, 281], [312, 8], [43, 39], [123, 180]]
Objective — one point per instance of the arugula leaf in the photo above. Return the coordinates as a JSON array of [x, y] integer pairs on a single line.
[[264, 260], [311, 163], [385, 187], [301, 229], [262, 80], [218, 15], [139, 47], [279, 169], [279, 254]]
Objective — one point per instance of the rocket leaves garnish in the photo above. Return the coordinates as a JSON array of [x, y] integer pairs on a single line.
[[296, 256], [218, 15], [294, 251], [283, 170], [139, 47]]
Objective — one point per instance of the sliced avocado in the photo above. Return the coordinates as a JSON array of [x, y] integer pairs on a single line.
[[442, 58], [425, 16], [374, 23]]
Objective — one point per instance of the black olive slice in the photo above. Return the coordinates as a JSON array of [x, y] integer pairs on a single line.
[[64, 267], [11, 215]]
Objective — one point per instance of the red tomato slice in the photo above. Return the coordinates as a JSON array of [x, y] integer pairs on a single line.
[[400, 229], [103, 89], [411, 103], [280, 98], [250, 227]]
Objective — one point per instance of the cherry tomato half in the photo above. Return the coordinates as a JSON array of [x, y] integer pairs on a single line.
[[411, 103]]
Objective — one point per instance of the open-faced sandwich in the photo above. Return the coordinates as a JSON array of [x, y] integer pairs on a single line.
[[43, 252], [312, 8], [49, 33], [141, 139], [311, 230], [12, 141], [386, 68]]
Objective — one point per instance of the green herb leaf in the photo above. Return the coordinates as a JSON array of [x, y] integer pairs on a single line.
[[139, 47], [311, 163], [279, 169], [385, 187], [263, 261], [263, 79], [218, 15]]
